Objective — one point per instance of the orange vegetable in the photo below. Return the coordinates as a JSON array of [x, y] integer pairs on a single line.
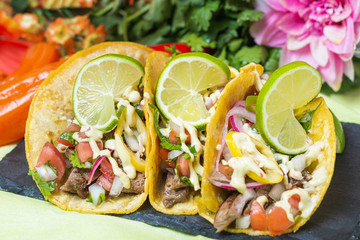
[[15, 99], [277, 221], [36, 56]]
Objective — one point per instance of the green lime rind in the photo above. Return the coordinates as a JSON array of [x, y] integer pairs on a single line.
[[111, 123], [265, 93], [199, 125]]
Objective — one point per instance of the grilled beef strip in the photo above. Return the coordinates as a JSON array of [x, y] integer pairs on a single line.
[[232, 209], [175, 191], [76, 183], [137, 184]]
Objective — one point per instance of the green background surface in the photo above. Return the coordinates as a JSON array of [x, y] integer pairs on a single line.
[[36, 219]]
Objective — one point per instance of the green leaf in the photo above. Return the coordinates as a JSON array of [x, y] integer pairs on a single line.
[[160, 11], [197, 43], [75, 161], [173, 50], [306, 119], [68, 136], [272, 63], [246, 55], [19, 6], [340, 136], [201, 16], [249, 15], [45, 187]]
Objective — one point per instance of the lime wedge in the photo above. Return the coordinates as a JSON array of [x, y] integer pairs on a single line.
[[98, 84], [182, 82], [288, 88]]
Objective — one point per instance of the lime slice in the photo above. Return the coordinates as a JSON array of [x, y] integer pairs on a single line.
[[182, 82], [98, 84], [288, 88]]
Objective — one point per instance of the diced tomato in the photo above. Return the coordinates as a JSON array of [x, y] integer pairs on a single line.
[[105, 182], [277, 220], [84, 151], [71, 128], [50, 153], [106, 169], [174, 137], [82, 135], [226, 170], [163, 153], [183, 166], [257, 217], [294, 201]]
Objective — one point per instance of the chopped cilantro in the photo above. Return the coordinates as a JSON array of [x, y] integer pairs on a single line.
[[140, 87], [45, 187], [186, 180], [199, 176], [68, 136], [101, 198], [75, 161]]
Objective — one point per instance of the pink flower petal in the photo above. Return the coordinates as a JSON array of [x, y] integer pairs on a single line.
[[333, 71], [355, 5], [319, 51], [349, 69], [263, 6], [346, 56], [303, 54], [348, 44], [294, 44], [293, 5], [275, 4], [292, 24], [345, 12], [265, 32], [357, 31], [335, 33]]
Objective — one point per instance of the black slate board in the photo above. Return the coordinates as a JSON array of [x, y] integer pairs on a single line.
[[338, 216]]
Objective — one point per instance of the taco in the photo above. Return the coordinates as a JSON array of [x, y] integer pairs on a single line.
[[81, 168], [175, 162], [286, 190]]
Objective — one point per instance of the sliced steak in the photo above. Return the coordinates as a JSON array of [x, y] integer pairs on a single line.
[[219, 177], [85, 173], [175, 191], [137, 184], [76, 184], [232, 209]]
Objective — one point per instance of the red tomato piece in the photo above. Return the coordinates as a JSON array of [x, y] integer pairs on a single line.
[[105, 182], [106, 169], [257, 217], [163, 153], [71, 128], [183, 166], [84, 151], [294, 201], [226, 170], [174, 137], [277, 220], [50, 153]]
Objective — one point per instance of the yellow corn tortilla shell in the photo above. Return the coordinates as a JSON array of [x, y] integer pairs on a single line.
[[322, 129], [155, 64], [51, 107]]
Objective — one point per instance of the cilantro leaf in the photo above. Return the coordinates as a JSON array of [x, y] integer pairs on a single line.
[[75, 161], [197, 43], [251, 15], [186, 180], [68, 136], [306, 119], [45, 187], [173, 50], [201, 16]]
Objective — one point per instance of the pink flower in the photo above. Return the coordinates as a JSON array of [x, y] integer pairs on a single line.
[[323, 33]]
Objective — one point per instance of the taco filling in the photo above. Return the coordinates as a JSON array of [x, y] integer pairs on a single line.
[[95, 164], [266, 190], [181, 153]]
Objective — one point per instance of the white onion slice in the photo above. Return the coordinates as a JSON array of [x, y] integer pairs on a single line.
[[95, 190], [299, 162], [243, 222], [46, 173], [174, 126], [116, 187], [276, 191], [94, 167], [132, 142], [174, 153]]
